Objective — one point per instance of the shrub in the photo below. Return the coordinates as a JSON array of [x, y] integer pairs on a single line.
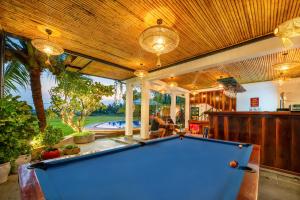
[[51, 136], [85, 133], [70, 146], [37, 141], [17, 127]]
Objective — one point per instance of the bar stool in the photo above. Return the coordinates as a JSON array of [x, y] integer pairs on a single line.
[[205, 131]]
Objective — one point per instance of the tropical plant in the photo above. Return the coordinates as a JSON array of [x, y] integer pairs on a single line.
[[71, 149], [76, 97], [83, 133], [17, 127], [21, 53], [15, 75], [51, 136]]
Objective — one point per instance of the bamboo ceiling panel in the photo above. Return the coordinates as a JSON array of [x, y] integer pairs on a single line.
[[107, 71], [90, 67], [80, 62], [109, 30], [246, 71]]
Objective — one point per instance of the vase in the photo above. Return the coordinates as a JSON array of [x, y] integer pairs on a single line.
[[21, 160], [4, 171], [84, 139], [50, 154], [71, 151]]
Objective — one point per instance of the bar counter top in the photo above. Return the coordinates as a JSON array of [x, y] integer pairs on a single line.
[[255, 113]]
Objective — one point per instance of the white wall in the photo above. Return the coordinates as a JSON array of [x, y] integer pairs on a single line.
[[268, 94], [265, 91], [291, 90]]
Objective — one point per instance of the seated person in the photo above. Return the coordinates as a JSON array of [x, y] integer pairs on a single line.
[[157, 127], [168, 119], [170, 126]]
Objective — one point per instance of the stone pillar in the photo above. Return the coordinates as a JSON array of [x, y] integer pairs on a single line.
[[145, 90], [173, 107], [187, 109], [129, 109]]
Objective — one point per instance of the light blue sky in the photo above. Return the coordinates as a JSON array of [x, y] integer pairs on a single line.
[[48, 82]]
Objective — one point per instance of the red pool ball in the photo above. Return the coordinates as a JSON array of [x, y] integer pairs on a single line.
[[233, 164]]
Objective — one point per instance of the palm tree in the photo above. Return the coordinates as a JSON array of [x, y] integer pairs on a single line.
[[22, 52], [15, 76]]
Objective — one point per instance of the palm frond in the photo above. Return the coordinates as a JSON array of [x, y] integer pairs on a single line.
[[15, 76]]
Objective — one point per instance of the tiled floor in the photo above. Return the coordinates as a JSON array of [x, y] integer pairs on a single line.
[[272, 185], [278, 186]]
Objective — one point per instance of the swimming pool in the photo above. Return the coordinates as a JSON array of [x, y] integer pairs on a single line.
[[116, 125], [111, 128]]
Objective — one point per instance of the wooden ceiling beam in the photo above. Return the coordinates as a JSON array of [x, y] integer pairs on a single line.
[[85, 65]]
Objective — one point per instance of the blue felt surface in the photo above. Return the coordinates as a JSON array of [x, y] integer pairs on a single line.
[[172, 169]]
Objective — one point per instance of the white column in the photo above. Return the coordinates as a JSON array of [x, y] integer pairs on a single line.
[[173, 107], [145, 109], [129, 109], [187, 109]]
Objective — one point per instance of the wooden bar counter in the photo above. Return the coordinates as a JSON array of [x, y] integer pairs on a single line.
[[278, 133]]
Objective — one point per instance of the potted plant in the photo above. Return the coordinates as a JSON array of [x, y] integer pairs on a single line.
[[71, 149], [50, 137], [17, 125], [24, 155], [83, 137], [24, 152]]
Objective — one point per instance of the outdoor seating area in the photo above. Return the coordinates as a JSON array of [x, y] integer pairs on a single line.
[[150, 99]]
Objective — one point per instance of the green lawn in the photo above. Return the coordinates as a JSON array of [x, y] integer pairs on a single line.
[[90, 120]]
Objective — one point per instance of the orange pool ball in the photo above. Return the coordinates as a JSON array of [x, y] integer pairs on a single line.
[[233, 164]]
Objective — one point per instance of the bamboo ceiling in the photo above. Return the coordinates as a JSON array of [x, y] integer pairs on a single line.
[[94, 68], [246, 71], [109, 30]]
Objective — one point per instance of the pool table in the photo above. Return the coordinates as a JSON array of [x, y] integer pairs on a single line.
[[170, 168]]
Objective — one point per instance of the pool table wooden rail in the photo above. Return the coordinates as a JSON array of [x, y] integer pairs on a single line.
[[249, 187], [30, 188]]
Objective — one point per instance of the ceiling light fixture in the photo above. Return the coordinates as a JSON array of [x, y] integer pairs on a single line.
[[194, 92], [162, 91], [288, 30], [173, 84], [159, 39], [282, 79], [140, 72], [47, 47], [285, 65], [220, 86]]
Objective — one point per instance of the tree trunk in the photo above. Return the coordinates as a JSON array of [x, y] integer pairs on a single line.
[[36, 89]]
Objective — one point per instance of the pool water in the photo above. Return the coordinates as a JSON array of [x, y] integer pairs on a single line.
[[117, 125]]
